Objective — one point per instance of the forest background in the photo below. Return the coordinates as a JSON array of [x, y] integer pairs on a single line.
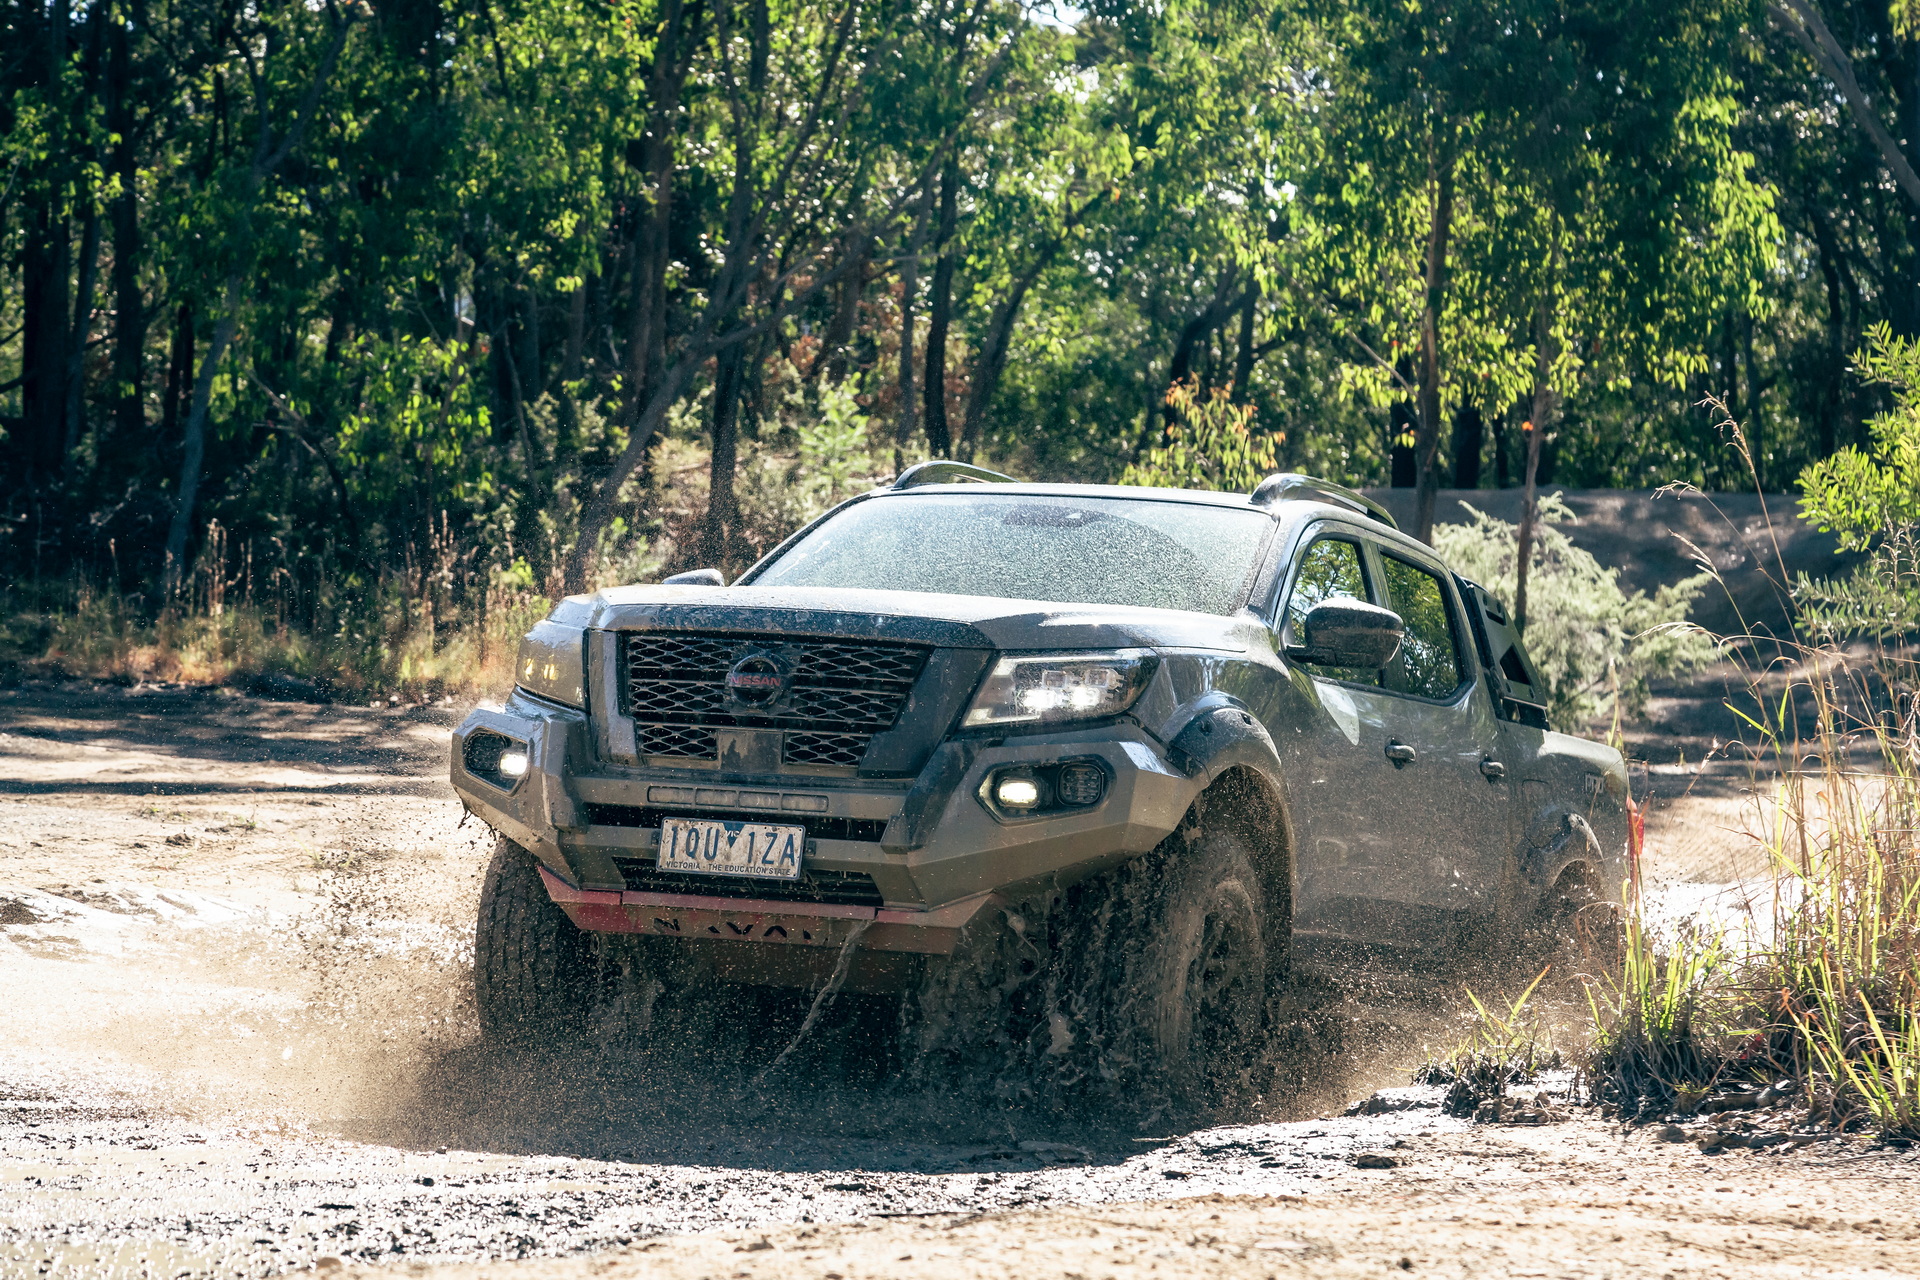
[[365, 328]]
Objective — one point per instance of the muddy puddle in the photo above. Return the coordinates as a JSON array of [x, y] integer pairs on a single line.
[[195, 1086]]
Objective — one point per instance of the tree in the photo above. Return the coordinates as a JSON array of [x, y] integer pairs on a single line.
[[821, 163]]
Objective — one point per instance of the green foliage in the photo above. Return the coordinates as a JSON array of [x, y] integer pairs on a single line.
[[1870, 497], [1508, 1045], [451, 253], [1596, 646], [1210, 445], [1879, 600], [1862, 493], [1663, 1023]]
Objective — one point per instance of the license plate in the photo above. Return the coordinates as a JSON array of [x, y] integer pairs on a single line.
[[757, 849]]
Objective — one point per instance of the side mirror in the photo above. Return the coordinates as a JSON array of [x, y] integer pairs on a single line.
[[1348, 633], [695, 578]]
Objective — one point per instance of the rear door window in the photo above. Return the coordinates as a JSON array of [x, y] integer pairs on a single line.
[[1429, 664]]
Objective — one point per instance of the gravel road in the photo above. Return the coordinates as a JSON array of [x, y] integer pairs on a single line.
[[236, 1040]]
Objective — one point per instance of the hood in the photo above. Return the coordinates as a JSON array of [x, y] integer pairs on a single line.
[[952, 621]]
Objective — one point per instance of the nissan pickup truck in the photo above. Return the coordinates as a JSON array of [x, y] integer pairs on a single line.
[[1057, 765]]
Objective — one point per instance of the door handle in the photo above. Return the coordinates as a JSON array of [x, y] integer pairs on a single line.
[[1493, 769], [1399, 752]]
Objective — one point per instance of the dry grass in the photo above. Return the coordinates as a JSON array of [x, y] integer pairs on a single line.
[[387, 645], [1819, 984]]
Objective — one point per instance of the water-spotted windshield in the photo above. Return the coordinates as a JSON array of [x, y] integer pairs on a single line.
[[1164, 555]]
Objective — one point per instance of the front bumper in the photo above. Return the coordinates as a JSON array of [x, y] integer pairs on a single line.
[[940, 859]]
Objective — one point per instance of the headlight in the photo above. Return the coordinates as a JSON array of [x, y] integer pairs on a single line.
[[552, 663], [1036, 688]]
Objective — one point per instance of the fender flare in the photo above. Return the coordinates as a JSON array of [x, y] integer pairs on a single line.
[[1574, 842], [1217, 733], [1219, 736]]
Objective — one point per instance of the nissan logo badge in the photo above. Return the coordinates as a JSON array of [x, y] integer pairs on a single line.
[[757, 680]]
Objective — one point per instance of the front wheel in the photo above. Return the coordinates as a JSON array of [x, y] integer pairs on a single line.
[[1168, 963], [533, 970], [1204, 980]]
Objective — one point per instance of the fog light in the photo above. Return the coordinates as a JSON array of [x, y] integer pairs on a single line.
[[1082, 784], [1017, 793], [513, 764]]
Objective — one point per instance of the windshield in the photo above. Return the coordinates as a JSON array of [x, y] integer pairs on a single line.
[[1164, 555]]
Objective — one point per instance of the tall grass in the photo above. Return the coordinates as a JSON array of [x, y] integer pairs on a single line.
[[1819, 984]]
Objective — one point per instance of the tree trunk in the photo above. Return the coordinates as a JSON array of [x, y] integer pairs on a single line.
[[1535, 429], [1803, 21], [75, 412], [909, 295], [43, 380], [1243, 352], [1426, 444], [339, 323], [1469, 437], [940, 316], [992, 359], [721, 508], [832, 356], [1196, 330], [647, 322], [1833, 393], [194, 443], [129, 307], [44, 267], [599, 506], [570, 364], [1402, 473], [731, 363], [179, 371]]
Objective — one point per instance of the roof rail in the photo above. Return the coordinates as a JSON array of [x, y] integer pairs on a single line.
[[1291, 486], [946, 473]]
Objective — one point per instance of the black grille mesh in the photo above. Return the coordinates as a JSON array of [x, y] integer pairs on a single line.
[[691, 741], [849, 888], [843, 692], [826, 748]]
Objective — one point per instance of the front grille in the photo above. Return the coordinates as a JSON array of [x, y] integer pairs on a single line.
[[692, 741], [825, 748], [842, 692], [845, 888], [818, 827]]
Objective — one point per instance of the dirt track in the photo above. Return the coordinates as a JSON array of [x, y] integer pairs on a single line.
[[235, 1040]]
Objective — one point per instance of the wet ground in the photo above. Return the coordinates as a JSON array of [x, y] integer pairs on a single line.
[[236, 1040]]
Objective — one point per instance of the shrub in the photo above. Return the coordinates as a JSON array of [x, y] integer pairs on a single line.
[[1596, 646]]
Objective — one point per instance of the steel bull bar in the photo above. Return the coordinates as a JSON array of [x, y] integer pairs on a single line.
[[698, 917]]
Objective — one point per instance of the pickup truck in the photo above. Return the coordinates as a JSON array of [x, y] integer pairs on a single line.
[[1060, 767]]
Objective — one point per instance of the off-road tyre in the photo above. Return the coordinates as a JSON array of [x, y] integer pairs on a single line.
[[1204, 984], [1168, 964], [1143, 990], [535, 976]]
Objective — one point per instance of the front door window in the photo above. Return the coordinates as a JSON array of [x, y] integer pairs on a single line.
[[1331, 569]]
